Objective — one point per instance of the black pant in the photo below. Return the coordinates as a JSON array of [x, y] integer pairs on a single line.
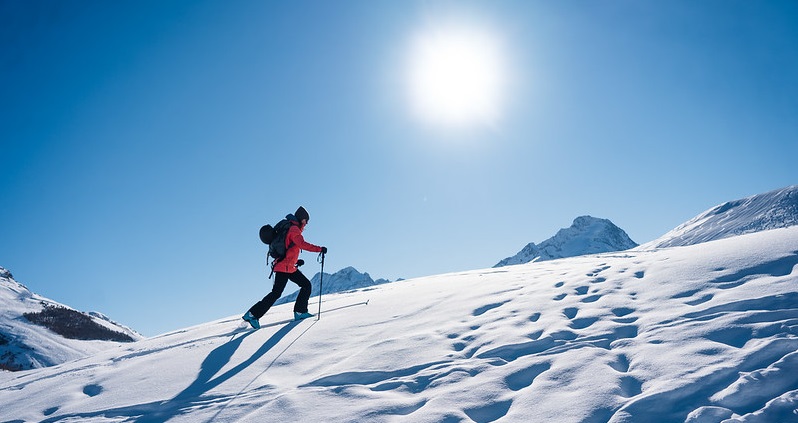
[[280, 279]]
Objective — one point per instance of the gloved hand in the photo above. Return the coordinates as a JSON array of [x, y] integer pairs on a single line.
[[300, 262], [324, 250]]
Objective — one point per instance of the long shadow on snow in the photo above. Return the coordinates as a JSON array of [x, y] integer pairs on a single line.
[[161, 411], [212, 364]]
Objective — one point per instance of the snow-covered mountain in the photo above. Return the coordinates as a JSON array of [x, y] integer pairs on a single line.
[[704, 333], [39, 332], [587, 235], [771, 210], [343, 280]]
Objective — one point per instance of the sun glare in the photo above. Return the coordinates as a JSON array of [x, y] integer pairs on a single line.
[[456, 77]]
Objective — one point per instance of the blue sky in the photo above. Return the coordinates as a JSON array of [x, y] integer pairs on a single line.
[[144, 143]]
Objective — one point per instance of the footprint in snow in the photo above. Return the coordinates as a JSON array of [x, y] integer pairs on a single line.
[[563, 335], [735, 337], [625, 332], [583, 323], [595, 272], [701, 300], [622, 311], [92, 390], [525, 377], [461, 344], [591, 299], [582, 290], [570, 312], [621, 364], [559, 297], [535, 335], [484, 309], [630, 386], [686, 294], [490, 411]]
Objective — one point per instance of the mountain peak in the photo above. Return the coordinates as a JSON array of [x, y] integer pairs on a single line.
[[586, 235]]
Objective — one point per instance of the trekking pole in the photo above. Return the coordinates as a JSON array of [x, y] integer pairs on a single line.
[[321, 280]]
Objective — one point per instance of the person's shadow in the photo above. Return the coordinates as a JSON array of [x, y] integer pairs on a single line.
[[195, 394], [206, 381]]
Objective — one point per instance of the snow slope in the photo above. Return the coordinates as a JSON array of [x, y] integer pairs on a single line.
[[25, 345], [771, 210], [587, 235], [698, 333]]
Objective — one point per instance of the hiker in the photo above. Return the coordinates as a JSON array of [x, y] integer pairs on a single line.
[[286, 269]]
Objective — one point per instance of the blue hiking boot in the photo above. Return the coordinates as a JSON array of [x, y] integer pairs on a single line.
[[252, 320], [301, 316]]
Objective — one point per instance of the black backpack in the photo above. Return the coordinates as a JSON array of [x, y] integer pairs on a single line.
[[274, 237]]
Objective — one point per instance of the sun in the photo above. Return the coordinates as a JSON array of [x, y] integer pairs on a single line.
[[456, 77]]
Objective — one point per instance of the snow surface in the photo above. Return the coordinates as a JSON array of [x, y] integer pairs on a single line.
[[702, 333]]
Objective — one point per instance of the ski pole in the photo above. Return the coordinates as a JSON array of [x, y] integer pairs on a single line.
[[321, 280]]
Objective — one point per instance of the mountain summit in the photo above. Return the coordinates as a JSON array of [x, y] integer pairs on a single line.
[[587, 235], [761, 212]]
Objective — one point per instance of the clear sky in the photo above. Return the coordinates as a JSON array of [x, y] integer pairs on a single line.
[[144, 143]]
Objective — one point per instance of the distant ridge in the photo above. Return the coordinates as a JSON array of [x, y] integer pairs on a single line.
[[38, 332], [761, 212], [587, 235]]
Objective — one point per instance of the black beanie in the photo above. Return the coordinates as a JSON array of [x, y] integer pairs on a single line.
[[301, 213]]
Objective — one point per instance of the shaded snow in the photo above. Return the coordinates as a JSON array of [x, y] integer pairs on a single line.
[[697, 333]]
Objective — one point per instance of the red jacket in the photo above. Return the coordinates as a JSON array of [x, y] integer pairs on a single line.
[[294, 243]]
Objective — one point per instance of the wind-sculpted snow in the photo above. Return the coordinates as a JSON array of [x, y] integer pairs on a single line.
[[771, 210], [703, 333]]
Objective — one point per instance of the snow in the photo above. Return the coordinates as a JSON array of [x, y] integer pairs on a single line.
[[702, 333]]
